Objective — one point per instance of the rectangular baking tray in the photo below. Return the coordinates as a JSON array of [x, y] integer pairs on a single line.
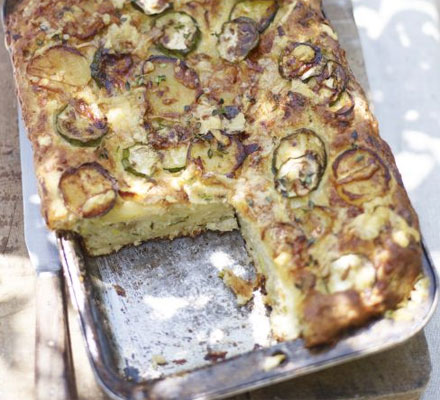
[[159, 323]]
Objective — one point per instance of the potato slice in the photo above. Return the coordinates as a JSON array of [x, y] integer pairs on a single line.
[[88, 190], [360, 175], [61, 64], [261, 11], [171, 85]]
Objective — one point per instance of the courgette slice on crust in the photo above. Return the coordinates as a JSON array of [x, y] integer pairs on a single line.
[[344, 104], [214, 157], [237, 38], [261, 11], [152, 7], [171, 85], [171, 140], [180, 32], [61, 64], [332, 81], [174, 158], [88, 190], [298, 163], [300, 61], [77, 123], [140, 160]]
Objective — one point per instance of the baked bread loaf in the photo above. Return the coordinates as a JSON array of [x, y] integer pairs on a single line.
[[151, 119]]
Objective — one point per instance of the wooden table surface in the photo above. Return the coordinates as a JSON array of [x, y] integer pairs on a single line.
[[398, 374]]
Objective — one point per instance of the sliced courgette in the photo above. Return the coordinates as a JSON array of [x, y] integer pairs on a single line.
[[344, 104], [298, 163], [140, 160], [110, 71], [174, 158], [88, 190], [171, 86], [360, 175], [152, 7], [77, 123], [237, 38], [261, 11], [214, 157], [61, 64], [180, 32], [300, 61], [332, 81]]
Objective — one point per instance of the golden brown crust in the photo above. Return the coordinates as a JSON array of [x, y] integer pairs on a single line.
[[348, 242]]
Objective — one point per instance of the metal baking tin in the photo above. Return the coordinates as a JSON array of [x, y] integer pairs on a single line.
[[159, 323], [162, 303]]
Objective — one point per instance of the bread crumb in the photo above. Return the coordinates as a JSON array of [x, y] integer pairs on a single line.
[[242, 288]]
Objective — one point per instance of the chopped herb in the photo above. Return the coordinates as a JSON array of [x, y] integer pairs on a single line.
[[179, 26], [127, 85], [160, 78], [221, 149], [186, 35], [152, 226], [186, 108], [359, 158], [205, 197], [354, 135], [311, 204], [222, 111], [210, 153], [140, 80], [310, 241], [39, 42], [308, 180]]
